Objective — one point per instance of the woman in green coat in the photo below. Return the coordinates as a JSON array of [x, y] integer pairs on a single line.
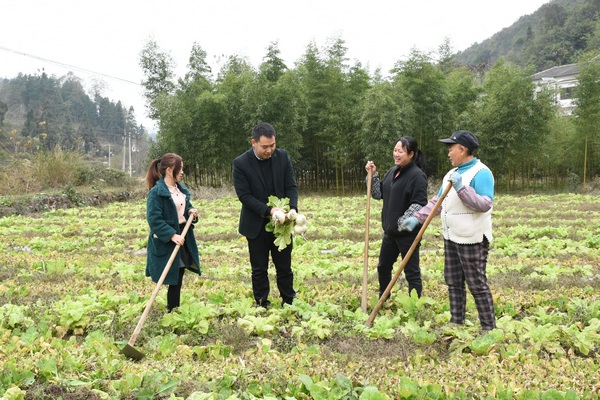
[[167, 209]]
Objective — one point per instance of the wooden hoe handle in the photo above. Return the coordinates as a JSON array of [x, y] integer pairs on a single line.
[[138, 328], [408, 255]]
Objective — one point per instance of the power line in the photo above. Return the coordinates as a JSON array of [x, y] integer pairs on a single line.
[[67, 65]]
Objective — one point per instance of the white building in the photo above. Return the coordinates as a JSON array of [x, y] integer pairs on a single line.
[[563, 82]]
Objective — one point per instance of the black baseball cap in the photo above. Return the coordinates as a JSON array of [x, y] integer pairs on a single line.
[[464, 138]]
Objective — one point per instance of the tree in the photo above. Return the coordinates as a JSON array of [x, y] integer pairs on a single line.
[[421, 82], [88, 135], [337, 115], [382, 121], [283, 104], [446, 58], [512, 122], [110, 119], [183, 118], [311, 72], [462, 93], [30, 127], [158, 71], [236, 86], [198, 66], [3, 110], [588, 112], [272, 66]]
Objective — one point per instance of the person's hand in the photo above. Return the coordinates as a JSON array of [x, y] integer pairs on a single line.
[[409, 224], [177, 239], [275, 209], [193, 213], [456, 180], [278, 215], [371, 167]]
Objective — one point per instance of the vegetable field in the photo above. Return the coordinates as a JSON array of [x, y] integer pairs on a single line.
[[72, 289]]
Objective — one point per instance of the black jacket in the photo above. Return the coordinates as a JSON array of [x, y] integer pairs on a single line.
[[410, 187], [252, 191]]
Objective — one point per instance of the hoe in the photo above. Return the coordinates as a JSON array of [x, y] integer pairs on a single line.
[[407, 256], [129, 350]]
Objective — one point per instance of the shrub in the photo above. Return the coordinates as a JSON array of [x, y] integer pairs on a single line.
[[18, 177], [98, 174], [24, 173], [57, 168]]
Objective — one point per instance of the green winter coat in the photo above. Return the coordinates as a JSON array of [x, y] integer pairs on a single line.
[[161, 214]]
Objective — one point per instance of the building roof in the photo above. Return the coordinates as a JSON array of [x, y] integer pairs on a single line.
[[557, 72]]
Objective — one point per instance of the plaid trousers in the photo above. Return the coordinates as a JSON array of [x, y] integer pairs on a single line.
[[467, 262]]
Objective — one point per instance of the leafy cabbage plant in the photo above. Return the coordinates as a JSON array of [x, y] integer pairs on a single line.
[[284, 224]]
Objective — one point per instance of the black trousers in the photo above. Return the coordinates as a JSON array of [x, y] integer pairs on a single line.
[[260, 249], [391, 248], [174, 291]]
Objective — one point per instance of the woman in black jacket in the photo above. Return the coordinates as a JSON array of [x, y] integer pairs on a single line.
[[403, 190]]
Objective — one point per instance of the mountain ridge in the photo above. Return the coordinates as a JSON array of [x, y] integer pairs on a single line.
[[557, 33]]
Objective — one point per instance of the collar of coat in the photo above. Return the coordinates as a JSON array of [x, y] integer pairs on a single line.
[[252, 155], [397, 169], [163, 190]]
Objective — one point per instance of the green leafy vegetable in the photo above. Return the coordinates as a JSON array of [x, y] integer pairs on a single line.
[[283, 225]]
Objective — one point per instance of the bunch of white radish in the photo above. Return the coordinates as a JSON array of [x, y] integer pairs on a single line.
[[299, 221], [285, 222]]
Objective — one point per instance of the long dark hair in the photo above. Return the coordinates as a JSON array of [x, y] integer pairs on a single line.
[[410, 145], [158, 168]]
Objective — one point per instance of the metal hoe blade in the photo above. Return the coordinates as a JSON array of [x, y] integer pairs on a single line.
[[132, 353]]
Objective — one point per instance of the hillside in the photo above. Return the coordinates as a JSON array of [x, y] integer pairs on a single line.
[[42, 112], [558, 33]]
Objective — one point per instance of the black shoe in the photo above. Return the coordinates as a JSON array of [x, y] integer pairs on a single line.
[[266, 304], [170, 309]]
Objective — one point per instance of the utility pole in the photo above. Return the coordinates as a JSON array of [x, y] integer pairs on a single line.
[[129, 136], [109, 156], [124, 148]]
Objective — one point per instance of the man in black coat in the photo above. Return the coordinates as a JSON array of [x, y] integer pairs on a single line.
[[258, 173]]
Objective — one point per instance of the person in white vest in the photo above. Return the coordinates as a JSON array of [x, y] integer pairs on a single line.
[[466, 215]]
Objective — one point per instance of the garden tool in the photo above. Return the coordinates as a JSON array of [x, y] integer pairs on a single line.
[[411, 250], [366, 250], [129, 350]]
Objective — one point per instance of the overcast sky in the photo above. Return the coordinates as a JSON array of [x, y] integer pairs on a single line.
[[102, 39]]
